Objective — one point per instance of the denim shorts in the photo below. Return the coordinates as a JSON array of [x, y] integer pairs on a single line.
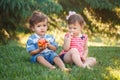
[[49, 56]]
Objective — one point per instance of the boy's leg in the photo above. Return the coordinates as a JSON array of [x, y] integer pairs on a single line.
[[44, 62], [73, 56], [60, 64]]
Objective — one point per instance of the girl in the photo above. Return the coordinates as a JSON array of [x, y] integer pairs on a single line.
[[75, 49]]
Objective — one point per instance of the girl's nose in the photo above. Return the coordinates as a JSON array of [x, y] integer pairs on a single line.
[[72, 30]]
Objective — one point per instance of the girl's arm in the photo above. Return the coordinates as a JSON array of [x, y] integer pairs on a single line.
[[66, 44], [85, 54], [86, 51]]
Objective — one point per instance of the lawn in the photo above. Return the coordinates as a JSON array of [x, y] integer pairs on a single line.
[[15, 65]]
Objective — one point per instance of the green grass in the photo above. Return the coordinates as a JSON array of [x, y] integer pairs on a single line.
[[15, 65]]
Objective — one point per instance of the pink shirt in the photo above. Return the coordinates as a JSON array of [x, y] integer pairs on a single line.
[[77, 42]]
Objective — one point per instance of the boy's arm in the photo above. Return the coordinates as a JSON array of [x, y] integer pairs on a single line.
[[51, 47], [36, 51]]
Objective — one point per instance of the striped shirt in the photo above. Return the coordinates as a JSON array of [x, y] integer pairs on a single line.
[[78, 43], [32, 42]]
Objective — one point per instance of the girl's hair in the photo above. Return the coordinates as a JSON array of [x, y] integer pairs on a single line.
[[76, 18], [36, 18]]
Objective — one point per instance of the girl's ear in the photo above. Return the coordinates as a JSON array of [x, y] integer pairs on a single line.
[[82, 26]]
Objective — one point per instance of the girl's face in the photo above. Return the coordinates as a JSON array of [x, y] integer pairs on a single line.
[[40, 28], [75, 29]]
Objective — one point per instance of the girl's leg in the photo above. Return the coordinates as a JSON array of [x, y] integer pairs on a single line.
[[60, 64], [73, 56], [44, 62], [90, 61]]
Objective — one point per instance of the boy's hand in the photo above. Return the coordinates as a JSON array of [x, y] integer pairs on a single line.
[[42, 44], [43, 47]]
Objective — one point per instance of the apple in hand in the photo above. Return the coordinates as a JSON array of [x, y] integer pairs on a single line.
[[42, 42]]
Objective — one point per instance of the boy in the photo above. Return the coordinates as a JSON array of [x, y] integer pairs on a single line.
[[44, 55]]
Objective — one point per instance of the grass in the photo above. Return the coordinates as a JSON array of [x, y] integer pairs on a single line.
[[15, 65]]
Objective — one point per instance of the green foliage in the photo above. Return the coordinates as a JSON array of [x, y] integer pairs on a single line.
[[15, 65], [101, 16], [101, 4], [48, 6], [15, 13]]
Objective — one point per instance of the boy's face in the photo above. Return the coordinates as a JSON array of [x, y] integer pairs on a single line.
[[75, 29], [40, 28]]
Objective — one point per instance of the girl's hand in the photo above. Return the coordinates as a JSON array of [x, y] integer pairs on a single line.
[[83, 58], [70, 35]]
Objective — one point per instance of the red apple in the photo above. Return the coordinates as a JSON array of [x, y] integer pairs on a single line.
[[42, 42]]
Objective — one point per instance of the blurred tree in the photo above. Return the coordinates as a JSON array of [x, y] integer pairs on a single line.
[[102, 16], [14, 14]]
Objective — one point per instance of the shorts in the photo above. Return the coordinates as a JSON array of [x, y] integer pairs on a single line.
[[49, 56], [62, 57]]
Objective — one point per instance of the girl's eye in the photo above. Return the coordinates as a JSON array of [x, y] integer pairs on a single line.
[[70, 28], [44, 25], [38, 26]]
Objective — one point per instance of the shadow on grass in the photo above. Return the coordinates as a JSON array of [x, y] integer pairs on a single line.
[[15, 65]]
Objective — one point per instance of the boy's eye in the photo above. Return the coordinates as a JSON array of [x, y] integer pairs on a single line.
[[70, 27], [38, 26], [74, 28]]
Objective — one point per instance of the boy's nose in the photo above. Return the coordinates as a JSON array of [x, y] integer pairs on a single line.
[[72, 30]]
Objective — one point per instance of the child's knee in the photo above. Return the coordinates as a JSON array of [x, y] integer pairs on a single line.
[[93, 61], [74, 50], [39, 58]]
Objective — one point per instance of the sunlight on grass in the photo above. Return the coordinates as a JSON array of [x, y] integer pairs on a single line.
[[117, 10], [23, 38], [114, 73], [59, 35], [106, 27]]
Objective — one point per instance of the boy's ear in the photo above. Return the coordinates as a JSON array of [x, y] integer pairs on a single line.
[[32, 28]]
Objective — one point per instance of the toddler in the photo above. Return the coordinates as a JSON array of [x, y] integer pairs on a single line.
[[46, 54], [75, 49]]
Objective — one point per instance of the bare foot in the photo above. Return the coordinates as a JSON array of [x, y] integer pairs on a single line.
[[52, 67], [87, 66], [67, 70]]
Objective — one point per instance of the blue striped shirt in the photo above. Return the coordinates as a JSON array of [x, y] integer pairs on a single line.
[[32, 42]]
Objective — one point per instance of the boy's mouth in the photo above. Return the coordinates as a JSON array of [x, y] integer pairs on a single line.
[[42, 31]]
